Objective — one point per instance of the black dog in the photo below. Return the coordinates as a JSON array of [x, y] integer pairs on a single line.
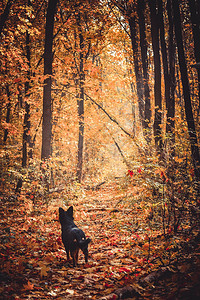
[[73, 238]]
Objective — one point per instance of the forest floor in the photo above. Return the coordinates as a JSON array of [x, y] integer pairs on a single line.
[[129, 257]]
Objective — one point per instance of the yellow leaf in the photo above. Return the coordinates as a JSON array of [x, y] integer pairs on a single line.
[[43, 271]]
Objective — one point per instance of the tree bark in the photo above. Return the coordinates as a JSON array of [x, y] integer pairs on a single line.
[[138, 75], [80, 103], [172, 81], [47, 100], [27, 124], [164, 52], [143, 46], [157, 74], [195, 18], [186, 89], [4, 15], [8, 106]]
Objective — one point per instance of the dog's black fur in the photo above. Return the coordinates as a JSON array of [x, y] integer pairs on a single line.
[[73, 238]]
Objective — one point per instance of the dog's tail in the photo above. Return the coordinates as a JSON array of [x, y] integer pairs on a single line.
[[83, 243]]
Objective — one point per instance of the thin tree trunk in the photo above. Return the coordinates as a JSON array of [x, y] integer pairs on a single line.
[[171, 50], [138, 75], [47, 100], [80, 104], [157, 74], [8, 106], [143, 46], [186, 90], [164, 52], [4, 15], [27, 124], [195, 18]]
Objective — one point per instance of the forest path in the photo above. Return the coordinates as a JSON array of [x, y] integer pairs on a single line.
[[123, 251]]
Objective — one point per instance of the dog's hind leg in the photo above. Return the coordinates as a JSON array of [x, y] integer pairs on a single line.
[[74, 256], [67, 251]]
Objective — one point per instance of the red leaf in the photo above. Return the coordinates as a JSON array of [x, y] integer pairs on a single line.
[[130, 173]]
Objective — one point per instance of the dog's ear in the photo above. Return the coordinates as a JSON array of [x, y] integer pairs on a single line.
[[61, 214], [70, 212]]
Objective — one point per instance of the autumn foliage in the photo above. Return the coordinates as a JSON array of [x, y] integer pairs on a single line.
[[99, 110]]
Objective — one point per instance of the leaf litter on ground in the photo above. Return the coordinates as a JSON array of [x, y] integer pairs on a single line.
[[126, 251]]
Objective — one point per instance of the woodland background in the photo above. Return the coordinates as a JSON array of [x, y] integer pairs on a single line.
[[100, 106]]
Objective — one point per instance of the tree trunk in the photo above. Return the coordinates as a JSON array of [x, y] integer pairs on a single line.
[[5, 14], [80, 103], [195, 18], [47, 100], [164, 52], [27, 124], [172, 81], [138, 75], [186, 90], [157, 74], [143, 46], [8, 106]]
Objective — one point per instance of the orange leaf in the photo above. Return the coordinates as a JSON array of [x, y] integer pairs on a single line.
[[29, 286]]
